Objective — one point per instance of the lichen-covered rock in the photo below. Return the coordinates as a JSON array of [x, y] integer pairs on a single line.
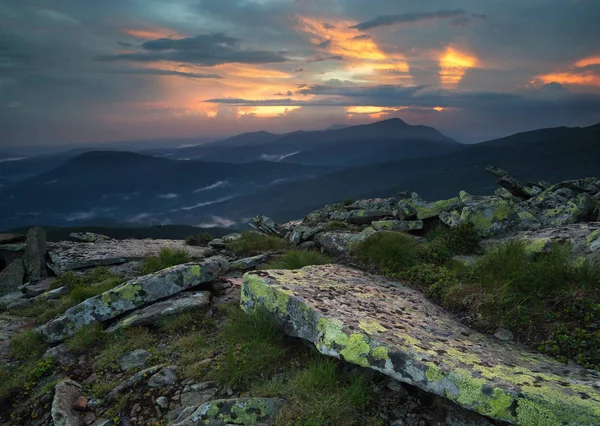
[[132, 295], [488, 218], [157, 311], [249, 262], [428, 209], [378, 324], [240, 411], [339, 243], [387, 204], [560, 206], [35, 254], [165, 377], [303, 233], [88, 237], [397, 225], [12, 277], [66, 393], [266, 225], [506, 195], [365, 217]]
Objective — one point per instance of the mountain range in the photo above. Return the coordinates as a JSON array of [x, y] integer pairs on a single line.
[[284, 176]]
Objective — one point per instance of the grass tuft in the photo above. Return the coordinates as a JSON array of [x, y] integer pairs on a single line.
[[296, 259], [390, 252], [166, 258], [252, 243], [86, 338], [27, 345]]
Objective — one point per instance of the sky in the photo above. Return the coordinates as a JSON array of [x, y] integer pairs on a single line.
[[87, 71]]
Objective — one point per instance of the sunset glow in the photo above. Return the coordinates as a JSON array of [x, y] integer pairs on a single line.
[[453, 65]]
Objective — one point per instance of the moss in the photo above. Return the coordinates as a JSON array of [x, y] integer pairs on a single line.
[[356, 351], [500, 405], [530, 413], [371, 326], [536, 245], [593, 237]]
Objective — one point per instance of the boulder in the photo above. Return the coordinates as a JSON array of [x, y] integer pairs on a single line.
[[365, 217], [61, 355], [66, 393], [303, 233], [239, 411], [88, 237], [70, 255], [198, 393], [266, 225], [249, 262], [11, 238], [35, 254], [35, 289], [416, 206], [11, 278], [151, 314], [132, 295], [397, 225], [488, 218], [134, 359], [339, 243], [165, 377], [393, 329], [516, 188], [560, 205], [387, 204]]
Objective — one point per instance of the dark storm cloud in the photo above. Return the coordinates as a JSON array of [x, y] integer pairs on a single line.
[[203, 49], [404, 18]]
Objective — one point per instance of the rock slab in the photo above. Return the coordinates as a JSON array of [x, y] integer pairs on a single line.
[[132, 295], [65, 395], [221, 412], [11, 278], [35, 254], [393, 329]]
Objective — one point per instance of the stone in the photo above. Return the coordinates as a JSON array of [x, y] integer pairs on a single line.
[[387, 204], [428, 209], [35, 289], [66, 393], [489, 218], [155, 312], [164, 377], [302, 233], [80, 404], [198, 394], [239, 411], [249, 262], [12, 277], [504, 334], [339, 243], [266, 225], [71, 255], [163, 402], [35, 254], [134, 359], [103, 422], [506, 195], [11, 238], [385, 326], [365, 217], [560, 205], [217, 244], [89, 418], [14, 300], [138, 377], [231, 237], [88, 237], [61, 355], [398, 225], [132, 295], [516, 188]]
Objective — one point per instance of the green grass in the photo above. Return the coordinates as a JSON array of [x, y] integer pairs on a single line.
[[321, 393], [253, 347], [200, 239], [166, 258], [444, 242], [117, 344], [252, 243], [86, 338], [27, 345], [296, 259], [389, 252]]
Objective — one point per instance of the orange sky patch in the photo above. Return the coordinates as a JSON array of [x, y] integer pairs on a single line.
[[151, 34], [583, 79], [266, 111], [585, 62], [374, 112], [453, 65]]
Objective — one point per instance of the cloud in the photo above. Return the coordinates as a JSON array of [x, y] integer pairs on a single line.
[[404, 18], [168, 196], [203, 49], [152, 71], [218, 184], [361, 37]]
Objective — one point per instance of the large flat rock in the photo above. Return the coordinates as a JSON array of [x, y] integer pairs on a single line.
[[132, 295], [382, 325], [71, 255]]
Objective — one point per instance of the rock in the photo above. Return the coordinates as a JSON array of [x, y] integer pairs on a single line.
[[560, 205], [303, 233], [381, 325], [11, 277], [70, 255], [103, 422], [365, 217], [80, 404], [183, 302], [266, 225], [339, 243], [198, 394], [217, 244], [397, 225], [231, 237], [88, 419], [66, 393], [516, 188], [88, 237], [132, 381], [165, 377], [35, 254], [133, 294], [11, 238], [61, 355], [35, 289], [161, 401], [134, 359], [506, 195], [14, 300], [240, 411], [504, 334], [249, 262], [387, 204], [489, 218], [427, 209]]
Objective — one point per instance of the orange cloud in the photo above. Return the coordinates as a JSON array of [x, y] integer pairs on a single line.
[[575, 76], [151, 34], [372, 111], [266, 111], [454, 64], [585, 62], [251, 71]]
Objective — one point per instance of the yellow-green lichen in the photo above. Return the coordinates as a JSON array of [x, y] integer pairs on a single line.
[[127, 292], [536, 245], [192, 275], [248, 413], [428, 210], [593, 237], [371, 326], [331, 331], [469, 387], [483, 221], [356, 351], [380, 353], [433, 373], [271, 298]]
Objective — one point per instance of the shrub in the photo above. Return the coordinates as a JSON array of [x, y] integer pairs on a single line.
[[347, 202], [390, 252], [444, 242], [191, 240], [27, 345], [253, 347], [252, 243], [200, 239], [296, 259], [166, 258]]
